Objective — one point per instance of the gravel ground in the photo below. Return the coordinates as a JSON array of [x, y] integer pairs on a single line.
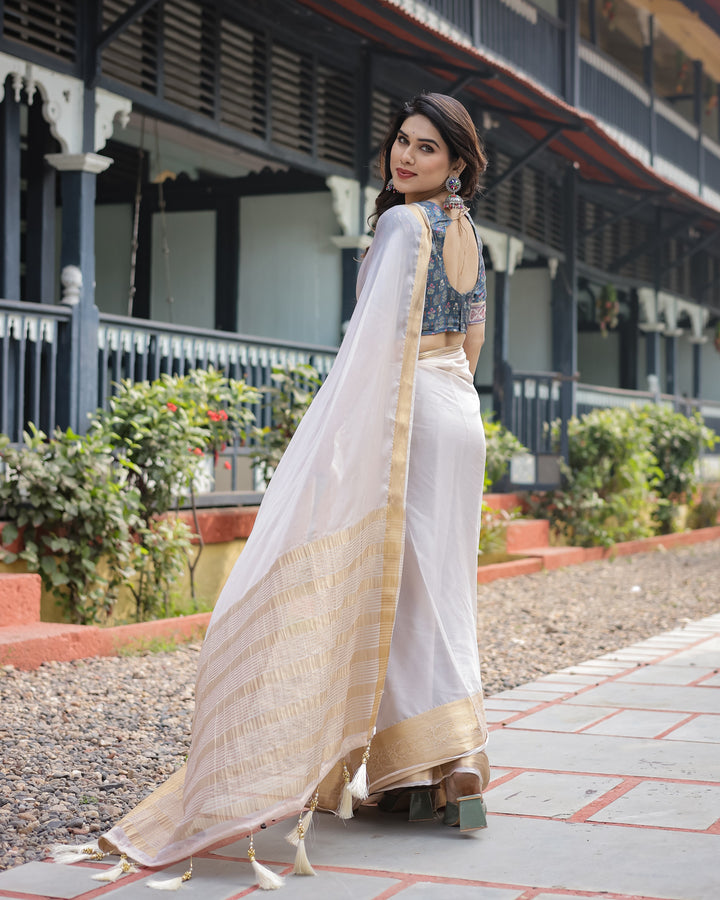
[[81, 743]]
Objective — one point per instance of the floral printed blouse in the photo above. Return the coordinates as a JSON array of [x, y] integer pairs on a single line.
[[446, 309]]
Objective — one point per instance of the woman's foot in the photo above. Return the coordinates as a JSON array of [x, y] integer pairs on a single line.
[[465, 806]]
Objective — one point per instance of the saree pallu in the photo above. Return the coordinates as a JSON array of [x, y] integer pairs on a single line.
[[293, 666]]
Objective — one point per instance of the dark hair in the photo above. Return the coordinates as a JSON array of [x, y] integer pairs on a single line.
[[458, 131]]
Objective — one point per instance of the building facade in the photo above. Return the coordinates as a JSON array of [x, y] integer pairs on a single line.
[[188, 182]]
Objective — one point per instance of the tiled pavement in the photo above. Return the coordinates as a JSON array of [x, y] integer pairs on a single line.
[[606, 784]]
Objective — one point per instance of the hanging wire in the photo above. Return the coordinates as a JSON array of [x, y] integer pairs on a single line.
[[136, 219], [163, 225]]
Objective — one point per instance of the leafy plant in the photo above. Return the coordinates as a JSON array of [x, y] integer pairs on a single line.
[[501, 446], [705, 512], [160, 554], [610, 480], [676, 442], [162, 430], [290, 396], [76, 511], [493, 529]]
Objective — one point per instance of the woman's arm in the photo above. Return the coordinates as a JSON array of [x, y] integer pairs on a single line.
[[472, 345]]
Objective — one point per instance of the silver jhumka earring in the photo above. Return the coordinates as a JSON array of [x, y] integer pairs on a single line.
[[453, 201]]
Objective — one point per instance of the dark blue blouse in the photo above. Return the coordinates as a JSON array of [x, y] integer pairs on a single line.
[[446, 309]]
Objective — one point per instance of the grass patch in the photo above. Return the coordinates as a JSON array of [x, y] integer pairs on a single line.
[[144, 646]]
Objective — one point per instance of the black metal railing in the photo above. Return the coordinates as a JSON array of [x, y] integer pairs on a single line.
[[614, 95], [677, 139], [526, 37], [33, 343], [142, 351]]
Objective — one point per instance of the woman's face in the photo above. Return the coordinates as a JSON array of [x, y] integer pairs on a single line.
[[420, 160]]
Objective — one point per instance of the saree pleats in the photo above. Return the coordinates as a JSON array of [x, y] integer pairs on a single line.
[[432, 714], [293, 667]]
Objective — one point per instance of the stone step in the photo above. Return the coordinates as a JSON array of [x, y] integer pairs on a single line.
[[524, 533], [19, 599], [556, 557]]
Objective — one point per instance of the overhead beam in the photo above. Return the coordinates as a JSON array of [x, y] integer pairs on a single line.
[[460, 83], [528, 116], [653, 241], [139, 8], [623, 214], [701, 245], [523, 161]]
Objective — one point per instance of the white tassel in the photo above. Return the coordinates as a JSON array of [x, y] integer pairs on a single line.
[[345, 807], [360, 786], [123, 868], [170, 884], [266, 879], [302, 863], [65, 854], [293, 837]]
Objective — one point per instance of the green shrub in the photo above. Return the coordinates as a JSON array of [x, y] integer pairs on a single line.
[[91, 508], [290, 396], [609, 482], [77, 512], [704, 512], [500, 447], [676, 442]]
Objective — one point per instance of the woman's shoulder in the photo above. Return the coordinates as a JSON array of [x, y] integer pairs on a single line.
[[399, 217]]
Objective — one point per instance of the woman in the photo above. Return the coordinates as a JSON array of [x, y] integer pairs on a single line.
[[345, 637]]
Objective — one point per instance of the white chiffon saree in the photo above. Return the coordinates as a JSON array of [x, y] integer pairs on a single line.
[[352, 606]]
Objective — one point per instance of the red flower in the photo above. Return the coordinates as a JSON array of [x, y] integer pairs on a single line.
[[197, 451], [227, 464], [172, 407]]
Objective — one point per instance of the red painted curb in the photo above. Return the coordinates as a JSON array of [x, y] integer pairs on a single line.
[[557, 557], [19, 599], [28, 646]]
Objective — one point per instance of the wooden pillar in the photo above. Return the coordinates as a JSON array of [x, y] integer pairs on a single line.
[[698, 117], [227, 262], [502, 373], [697, 369], [40, 211], [564, 308], [78, 384], [628, 335], [649, 74], [9, 195], [571, 62], [670, 363]]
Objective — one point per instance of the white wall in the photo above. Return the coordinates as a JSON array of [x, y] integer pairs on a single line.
[[191, 239], [599, 358], [710, 371], [290, 272], [530, 324], [531, 320], [684, 367], [113, 237]]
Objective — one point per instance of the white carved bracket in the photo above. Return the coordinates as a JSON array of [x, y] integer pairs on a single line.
[[506, 252], [347, 197], [649, 309], [668, 306], [109, 108], [699, 318], [346, 202], [62, 102]]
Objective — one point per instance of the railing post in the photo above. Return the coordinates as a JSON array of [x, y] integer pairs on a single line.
[[78, 390]]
